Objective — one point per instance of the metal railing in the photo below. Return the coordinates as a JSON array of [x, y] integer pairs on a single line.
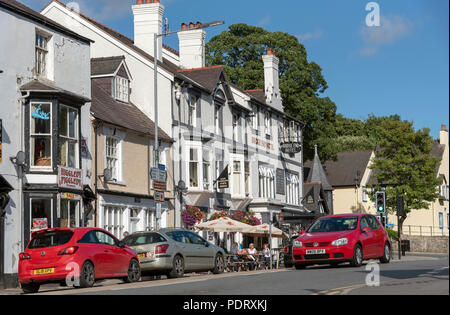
[[419, 230]]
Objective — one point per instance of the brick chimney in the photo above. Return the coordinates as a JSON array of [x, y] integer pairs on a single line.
[[192, 46], [272, 80], [444, 135], [148, 20]]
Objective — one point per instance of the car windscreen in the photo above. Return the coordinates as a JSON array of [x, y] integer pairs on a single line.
[[334, 224], [144, 239], [51, 239]]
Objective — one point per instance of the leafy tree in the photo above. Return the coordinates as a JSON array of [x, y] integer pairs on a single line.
[[404, 165], [240, 51]]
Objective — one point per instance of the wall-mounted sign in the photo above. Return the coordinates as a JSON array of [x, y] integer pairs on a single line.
[[70, 178], [159, 196], [280, 182], [263, 143], [158, 175], [291, 148], [223, 181]]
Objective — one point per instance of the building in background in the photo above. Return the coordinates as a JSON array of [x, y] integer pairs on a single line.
[[45, 93]]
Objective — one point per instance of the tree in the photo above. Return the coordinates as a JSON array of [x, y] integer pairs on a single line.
[[404, 165], [240, 51]]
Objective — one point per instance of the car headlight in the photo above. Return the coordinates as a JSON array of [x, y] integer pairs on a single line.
[[340, 242], [297, 244]]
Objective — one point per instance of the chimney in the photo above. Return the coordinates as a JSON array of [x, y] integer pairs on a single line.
[[192, 46], [272, 80], [444, 135], [148, 20]]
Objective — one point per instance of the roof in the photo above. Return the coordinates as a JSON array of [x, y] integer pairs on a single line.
[[259, 95], [25, 11], [106, 108], [107, 65], [39, 86], [343, 171], [207, 77]]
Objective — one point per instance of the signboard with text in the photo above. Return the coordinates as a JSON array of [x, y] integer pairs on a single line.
[[158, 175], [70, 178]]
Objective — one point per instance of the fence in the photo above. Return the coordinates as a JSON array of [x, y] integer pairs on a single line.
[[418, 230]]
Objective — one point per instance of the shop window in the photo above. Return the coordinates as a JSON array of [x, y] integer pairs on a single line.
[[70, 214], [68, 137], [113, 220], [41, 135], [41, 214]]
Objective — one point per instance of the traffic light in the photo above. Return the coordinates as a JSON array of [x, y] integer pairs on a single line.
[[381, 202]]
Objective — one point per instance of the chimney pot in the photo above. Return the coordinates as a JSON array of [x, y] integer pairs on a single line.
[[191, 25], [184, 26], [198, 24], [270, 51], [140, 2], [444, 127]]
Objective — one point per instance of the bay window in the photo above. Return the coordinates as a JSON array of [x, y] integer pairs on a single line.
[[113, 220], [193, 168], [41, 135], [68, 137]]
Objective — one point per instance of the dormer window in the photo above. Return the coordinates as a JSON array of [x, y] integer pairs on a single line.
[[121, 89]]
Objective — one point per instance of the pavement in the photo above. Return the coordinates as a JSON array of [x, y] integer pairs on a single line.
[[417, 272]]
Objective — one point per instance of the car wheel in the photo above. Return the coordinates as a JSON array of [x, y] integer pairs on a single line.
[[30, 288], [300, 266], [219, 264], [386, 258], [357, 256], [134, 272], [87, 276], [178, 268]]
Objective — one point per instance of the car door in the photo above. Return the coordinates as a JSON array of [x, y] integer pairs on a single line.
[[182, 247], [96, 252], [367, 238], [117, 260], [203, 255], [378, 234]]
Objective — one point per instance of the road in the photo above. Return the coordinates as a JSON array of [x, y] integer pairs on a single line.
[[424, 274]]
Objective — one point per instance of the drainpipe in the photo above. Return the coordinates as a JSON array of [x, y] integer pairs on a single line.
[[20, 168]]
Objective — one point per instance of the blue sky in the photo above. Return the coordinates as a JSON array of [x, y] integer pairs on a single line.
[[401, 67]]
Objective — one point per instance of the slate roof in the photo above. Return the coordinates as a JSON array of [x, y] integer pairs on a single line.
[[207, 77], [316, 174], [106, 108], [47, 87], [107, 65], [25, 11]]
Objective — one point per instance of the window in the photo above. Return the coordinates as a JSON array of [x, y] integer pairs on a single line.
[[194, 238], [441, 220], [217, 119], [70, 214], [364, 194], [113, 218], [41, 135], [255, 118], [206, 170], [267, 123], [145, 239], [121, 89], [51, 239], [444, 192], [112, 157], [105, 239], [237, 178], [68, 133], [41, 213], [292, 189], [247, 177], [266, 182], [235, 127], [41, 52], [192, 111], [193, 168], [373, 223]]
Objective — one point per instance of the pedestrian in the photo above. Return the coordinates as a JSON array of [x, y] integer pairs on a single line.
[[266, 256]]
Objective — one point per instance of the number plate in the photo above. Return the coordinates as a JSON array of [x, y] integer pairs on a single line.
[[47, 271], [315, 252], [144, 255]]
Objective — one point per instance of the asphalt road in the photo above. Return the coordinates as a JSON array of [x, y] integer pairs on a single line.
[[413, 275]]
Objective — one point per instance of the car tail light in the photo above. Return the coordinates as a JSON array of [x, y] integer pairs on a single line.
[[24, 256], [161, 249], [68, 251], [286, 249]]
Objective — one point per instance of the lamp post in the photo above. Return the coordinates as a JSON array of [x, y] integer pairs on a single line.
[[180, 189]]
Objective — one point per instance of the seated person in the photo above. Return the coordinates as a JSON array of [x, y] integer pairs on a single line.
[[222, 245], [251, 256]]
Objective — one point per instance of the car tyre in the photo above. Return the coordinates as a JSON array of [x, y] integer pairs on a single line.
[[300, 266], [134, 272], [178, 268], [219, 264], [357, 256], [87, 276], [386, 258], [30, 288]]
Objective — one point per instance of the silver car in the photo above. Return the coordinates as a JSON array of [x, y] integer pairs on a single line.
[[174, 251]]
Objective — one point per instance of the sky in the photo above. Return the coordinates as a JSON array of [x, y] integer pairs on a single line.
[[399, 66]]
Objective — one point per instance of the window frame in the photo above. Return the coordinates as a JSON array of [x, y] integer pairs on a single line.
[[118, 158], [40, 135], [192, 110], [41, 52], [67, 138], [121, 91]]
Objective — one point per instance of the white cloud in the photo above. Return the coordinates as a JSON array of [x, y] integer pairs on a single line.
[[264, 21], [310, 35]]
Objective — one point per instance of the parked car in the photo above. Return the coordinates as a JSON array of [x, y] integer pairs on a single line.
[[81, 255], [342, 238], [287, 252], [173, 252]]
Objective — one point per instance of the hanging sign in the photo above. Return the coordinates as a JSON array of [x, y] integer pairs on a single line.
[[70, 178]]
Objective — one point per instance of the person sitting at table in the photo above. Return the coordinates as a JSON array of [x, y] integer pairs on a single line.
[[235, 258], [222, 245], [251, 256], [266, 256]]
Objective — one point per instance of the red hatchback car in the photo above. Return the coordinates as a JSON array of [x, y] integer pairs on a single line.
[[75, 257], [342, 238]]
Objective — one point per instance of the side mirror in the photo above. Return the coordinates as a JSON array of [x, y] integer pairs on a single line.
[[206, 244], [366, 229]]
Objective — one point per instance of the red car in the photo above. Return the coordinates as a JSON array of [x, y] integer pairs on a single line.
[[342, 238], [75, 257]]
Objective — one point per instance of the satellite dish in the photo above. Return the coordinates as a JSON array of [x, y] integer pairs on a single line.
[[19, 159], [107, 174]]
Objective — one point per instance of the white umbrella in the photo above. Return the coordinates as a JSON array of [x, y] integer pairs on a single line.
[[223, 225], [264, 230]]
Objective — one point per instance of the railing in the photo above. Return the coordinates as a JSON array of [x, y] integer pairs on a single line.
[[418, 230]]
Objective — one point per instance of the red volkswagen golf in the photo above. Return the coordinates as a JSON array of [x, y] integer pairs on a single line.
[[75, 257], [342, 238]]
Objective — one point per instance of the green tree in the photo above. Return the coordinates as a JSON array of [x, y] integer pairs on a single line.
[[404, 165], [240, 51]]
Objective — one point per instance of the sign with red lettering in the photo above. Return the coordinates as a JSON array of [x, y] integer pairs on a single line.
[[70, 178]]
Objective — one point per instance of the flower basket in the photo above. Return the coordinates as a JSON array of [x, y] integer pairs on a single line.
[[192, 215], [218, 215]]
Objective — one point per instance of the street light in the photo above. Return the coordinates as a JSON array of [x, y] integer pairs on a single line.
[[180, 189]]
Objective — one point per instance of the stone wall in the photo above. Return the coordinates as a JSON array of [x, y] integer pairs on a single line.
[[428, 244]]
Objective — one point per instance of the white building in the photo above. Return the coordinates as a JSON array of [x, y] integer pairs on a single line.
[[45, 93]]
